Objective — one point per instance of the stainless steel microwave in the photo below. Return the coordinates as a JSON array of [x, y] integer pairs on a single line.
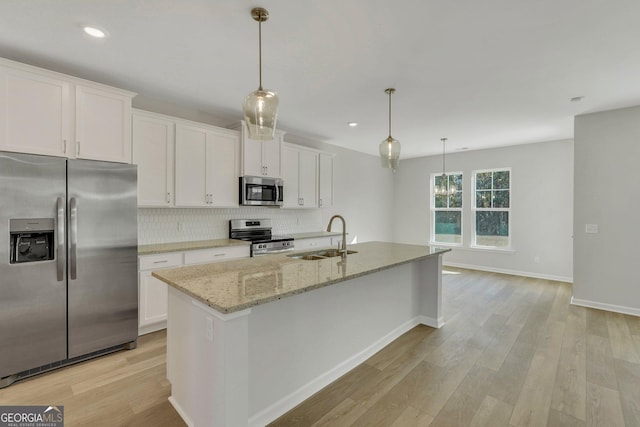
[[260, 191]]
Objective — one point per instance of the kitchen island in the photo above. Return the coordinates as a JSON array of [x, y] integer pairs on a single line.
[[249, 339]]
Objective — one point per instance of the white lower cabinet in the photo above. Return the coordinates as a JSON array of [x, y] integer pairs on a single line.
[[152, 311], [152, 298], [313, 243]]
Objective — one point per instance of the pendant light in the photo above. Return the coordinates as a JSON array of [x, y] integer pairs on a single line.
[[444, 189], [390, 148], [260, 107]]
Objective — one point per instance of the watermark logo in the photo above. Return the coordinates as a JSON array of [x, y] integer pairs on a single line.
[[32, 416]]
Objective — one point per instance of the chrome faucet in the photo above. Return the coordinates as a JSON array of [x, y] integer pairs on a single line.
[[344, 233]]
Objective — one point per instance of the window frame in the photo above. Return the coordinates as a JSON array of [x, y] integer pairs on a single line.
[[433, 209], [475, 210]]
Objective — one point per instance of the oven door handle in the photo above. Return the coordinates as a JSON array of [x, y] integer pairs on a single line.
[[279, 251]]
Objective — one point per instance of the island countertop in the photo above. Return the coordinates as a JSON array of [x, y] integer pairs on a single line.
[[239, 284]]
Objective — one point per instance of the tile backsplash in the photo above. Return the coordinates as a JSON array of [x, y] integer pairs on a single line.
[[163, 225]]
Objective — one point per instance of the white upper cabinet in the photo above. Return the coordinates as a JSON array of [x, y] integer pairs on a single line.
[[34, 113], [38, 108], [325, 180], [300, 174], [260, 158], [206, 173], [153, 151], [103, 125]]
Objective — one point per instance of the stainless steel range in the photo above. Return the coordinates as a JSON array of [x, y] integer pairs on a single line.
[[258, 232]]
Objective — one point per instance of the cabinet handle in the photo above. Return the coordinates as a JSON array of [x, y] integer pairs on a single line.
[[168, 198], [77, 148], [65, 146], [219, 254], [303, 201], [160, 262], [320, 202]]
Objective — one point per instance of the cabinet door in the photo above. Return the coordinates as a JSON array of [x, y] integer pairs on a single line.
[[252, 157], [271, 151], [190, 175], [153, 300], [153, 149], [222, 168], [35, 113], [103, 125], [308, 179], [325, 187], [290, 166]]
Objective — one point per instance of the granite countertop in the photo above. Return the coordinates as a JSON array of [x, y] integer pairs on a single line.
[[239, 284], [313, 234], [189, 246]]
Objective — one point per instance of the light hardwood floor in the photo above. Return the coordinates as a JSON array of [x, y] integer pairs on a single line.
[[512, 352]]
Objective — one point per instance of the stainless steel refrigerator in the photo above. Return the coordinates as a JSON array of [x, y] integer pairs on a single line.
[[68, 261]]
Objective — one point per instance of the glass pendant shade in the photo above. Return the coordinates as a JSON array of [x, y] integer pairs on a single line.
[[390, 147], [260, 110], [390, 153], [260, 107]]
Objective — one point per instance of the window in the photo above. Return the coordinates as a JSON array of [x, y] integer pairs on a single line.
[[446, 210], [492, 208]]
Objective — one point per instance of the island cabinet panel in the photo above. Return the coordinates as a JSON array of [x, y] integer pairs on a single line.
[[206, 166], [38, 109], [300, 173], [153, 151], [251, 339]]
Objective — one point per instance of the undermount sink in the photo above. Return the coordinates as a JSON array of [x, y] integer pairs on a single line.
[[323, 254]]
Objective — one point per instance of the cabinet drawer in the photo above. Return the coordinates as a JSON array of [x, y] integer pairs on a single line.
[[215, 254], [313, 243], [154, 262]]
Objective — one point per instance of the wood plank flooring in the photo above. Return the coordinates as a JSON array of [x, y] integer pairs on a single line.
[[513, 352], [127, 388]]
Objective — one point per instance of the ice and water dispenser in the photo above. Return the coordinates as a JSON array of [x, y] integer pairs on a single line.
[[31, 240]]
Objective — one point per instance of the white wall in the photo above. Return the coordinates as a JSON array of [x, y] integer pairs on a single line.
[[607, 193], [362, 194], [541, 207]]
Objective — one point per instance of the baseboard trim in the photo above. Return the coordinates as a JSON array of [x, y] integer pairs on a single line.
[[607, 307], [430, 321], [287, 403], [143, 330], [511, 272], [181, 412]]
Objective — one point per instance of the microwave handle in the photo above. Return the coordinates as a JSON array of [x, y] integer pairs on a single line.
[[277, 193]]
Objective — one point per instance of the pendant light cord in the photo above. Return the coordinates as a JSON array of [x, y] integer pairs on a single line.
[[390, 92], [260, 53], [443, 168]]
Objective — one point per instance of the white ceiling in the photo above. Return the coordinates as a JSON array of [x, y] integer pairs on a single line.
[[482, 73]]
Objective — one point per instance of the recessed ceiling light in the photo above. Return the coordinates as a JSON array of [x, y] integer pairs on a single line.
[[352, 124], [95, 32], [577, 98]]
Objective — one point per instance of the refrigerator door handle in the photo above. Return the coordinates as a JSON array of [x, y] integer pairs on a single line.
[[73, 238], [60, 258]]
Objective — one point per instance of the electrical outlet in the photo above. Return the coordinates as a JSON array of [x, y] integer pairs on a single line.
[[591, 228], [536, 260], [209, 329]]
